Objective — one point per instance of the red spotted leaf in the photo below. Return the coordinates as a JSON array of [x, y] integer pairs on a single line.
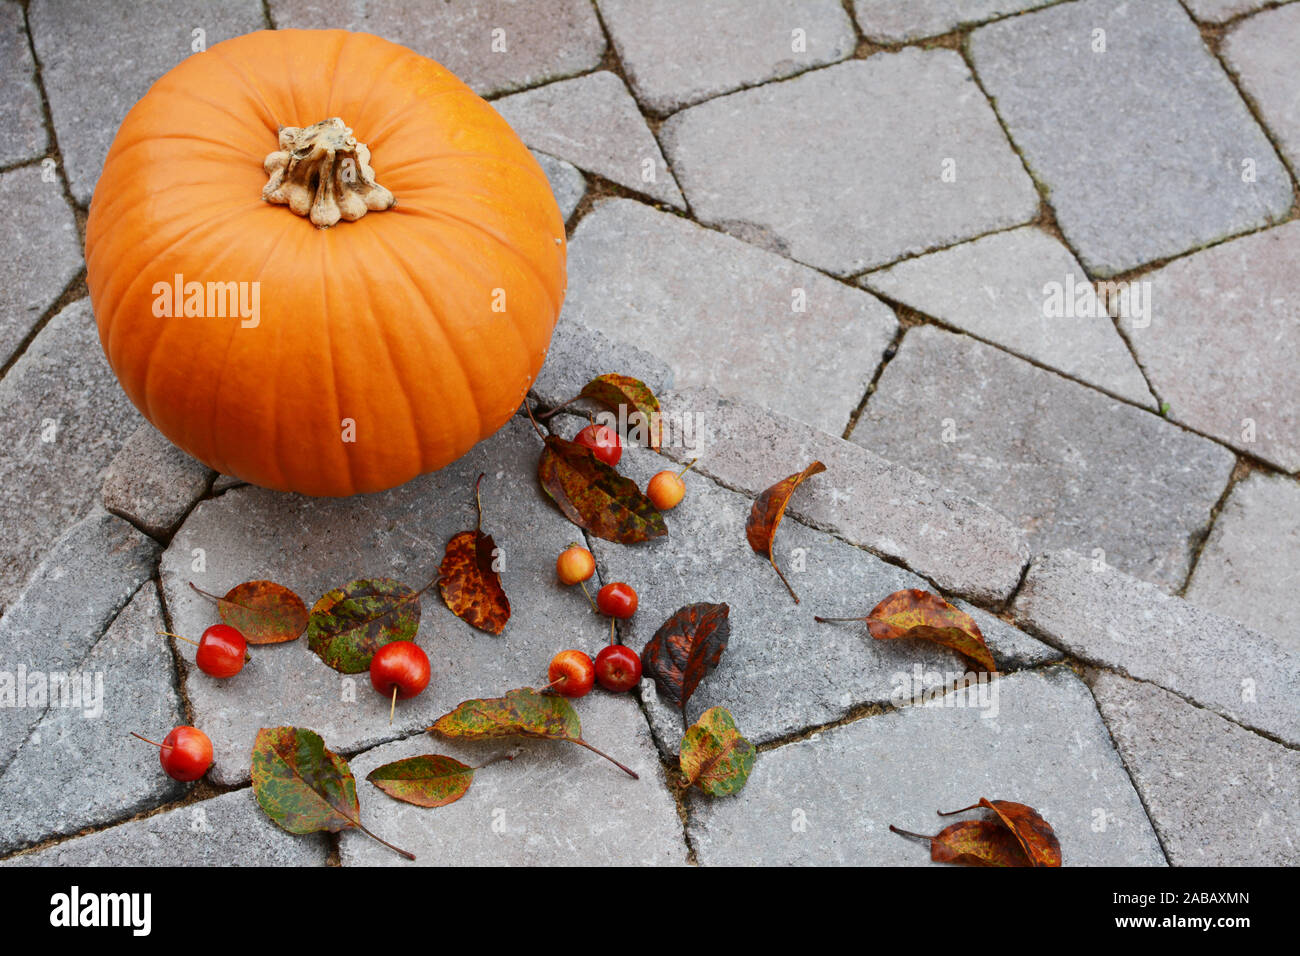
[[977, 843], [348, 624], [623, 391], [428, 781], [920, 614], [766, 514], [263, 611], [685, 649], [714, 755], [520, 713], [596, 497], [305, 787], [1035, 835], [468, 579]]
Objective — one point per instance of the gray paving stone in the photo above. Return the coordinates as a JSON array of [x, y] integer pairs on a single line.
[[1249, 568], [1262, 52], [830, 799], [782, 671], [553, 805], [542, 41], [1222, 342], [229, 830], [899, 21], [225, 483], [723, 313], [1141, 147], [152, 483], [55, 439], [844, 168], [1220, 11], [88, 576], [1218, 795], [21, 115], [80, 767], [319, 544], [1071, 467], [592, 121], [962, 545], [1107, 618], [676, 54], [134, 43], [567, 183], [998, 288], [578, 354], [38, 267]]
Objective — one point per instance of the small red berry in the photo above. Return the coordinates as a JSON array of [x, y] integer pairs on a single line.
[[185, 753], [574, 565], [399, 666], [603, 442], [617, 600], [222, 651], [618, 668], [571, 673]]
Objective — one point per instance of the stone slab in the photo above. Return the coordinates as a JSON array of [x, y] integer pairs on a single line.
[[134, 43], [845, 168], [55, 440], [21, 115], [592, 122], [1197, 771], [900, 21], [723, 313], [567, 182], [554, 804], [80, 767], [1222, 343], [88, 576], [676, 54], [1070, 466], [1025, 291], [1249, 567], [1140, 148], [319, 544], [1112, 620], [229, 830], [35, 270], [1220, 11], [1262, 52], [152, 483], [830, 799], [960, 544], [493, 45], [782, 672], [579, 353]]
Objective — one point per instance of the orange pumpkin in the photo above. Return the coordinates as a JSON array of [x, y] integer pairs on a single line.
[[301, 311]]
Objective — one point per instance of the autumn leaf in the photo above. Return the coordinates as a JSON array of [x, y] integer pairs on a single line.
[[304, 787], [263, 611], [616, 390], [469, 583], [715, 756], [520, 713], [766, 514], [920, 614], [686, 648], [348, 624], [428, 781], [1035, 835], [973, 843], [596, 497]]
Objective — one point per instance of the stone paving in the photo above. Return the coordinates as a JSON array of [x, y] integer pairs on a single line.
[[870, 233]]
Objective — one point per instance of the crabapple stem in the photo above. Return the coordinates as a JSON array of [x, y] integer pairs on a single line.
[[393, 706], [178, 637], [611, 630], [588, 594], [146, 740], [688, 467], [627, 770]]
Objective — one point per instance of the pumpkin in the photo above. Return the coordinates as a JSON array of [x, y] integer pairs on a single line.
[[320, 263]]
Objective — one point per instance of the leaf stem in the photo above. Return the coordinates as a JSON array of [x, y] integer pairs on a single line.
[[973, 806], [909, 833], [782, 577], [838, 620], [627, 770], [478, 502], [558, 408], [536, 427], [377, 839]]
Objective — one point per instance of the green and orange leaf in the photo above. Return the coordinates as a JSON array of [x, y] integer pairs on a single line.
[[714, 756], [766, 514], [348, 624], [615, 391], [520, 713], [432, 780], [468, 579], [596, 497], [263, 611], [920, 614]]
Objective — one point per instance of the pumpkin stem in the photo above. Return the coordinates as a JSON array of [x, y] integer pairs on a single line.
[[322, 172]]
